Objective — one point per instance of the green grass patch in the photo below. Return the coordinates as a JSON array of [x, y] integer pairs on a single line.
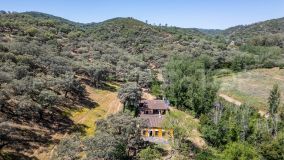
[[180, 121], [223, 72], [253, 87]]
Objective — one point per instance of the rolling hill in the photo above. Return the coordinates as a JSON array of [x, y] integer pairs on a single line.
[[42, 57], [272, 26]]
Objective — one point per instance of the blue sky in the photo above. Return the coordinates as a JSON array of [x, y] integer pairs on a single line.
[[217, 14]]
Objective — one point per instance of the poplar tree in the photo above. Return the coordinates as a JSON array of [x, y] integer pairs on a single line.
[[274, 102]]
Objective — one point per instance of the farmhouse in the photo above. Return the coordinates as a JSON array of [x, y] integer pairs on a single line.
[[153, 111]]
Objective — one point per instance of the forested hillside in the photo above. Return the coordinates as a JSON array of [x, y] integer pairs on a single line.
[[271, 31], [43, 59]]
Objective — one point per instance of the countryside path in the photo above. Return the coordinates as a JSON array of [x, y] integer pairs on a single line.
[[230, 99], [238, 103]]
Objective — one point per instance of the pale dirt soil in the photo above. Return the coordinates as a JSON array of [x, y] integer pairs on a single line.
[[230, 99], [147, 96], [197, 139], [252, 87], [195, 135], [238, 103], [108, 104]]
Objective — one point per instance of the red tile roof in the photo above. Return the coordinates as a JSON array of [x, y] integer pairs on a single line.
[[155, 104], [153, 120]]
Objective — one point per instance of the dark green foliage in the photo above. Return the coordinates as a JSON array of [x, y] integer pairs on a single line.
[[31, 31], [41, 57], [228, 124], [130, 96], [267, 57], [150, 153], [47, 98], [156, 89], [243, 61], [71, 85], [206, 155], [190, 86], [263, 31], [69, 148], [273, 149], [98, 74], [117, 137], [240, 131], [3, 48], [240, 151], [268, 40], [145, 79], [274, 102], [33, 81]]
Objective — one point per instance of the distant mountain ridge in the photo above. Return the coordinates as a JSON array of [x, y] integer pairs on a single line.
[[49, 16], [271, 26], [212, 32], [40, 54]]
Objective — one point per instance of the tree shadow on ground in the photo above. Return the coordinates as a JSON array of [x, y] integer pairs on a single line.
[[33, 129], [108, 87], [15, 156], [22, 135], [22, 139], [101, 85], [79, 128], [87, 103]]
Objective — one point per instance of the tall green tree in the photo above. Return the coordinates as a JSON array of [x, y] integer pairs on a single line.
[[150, 154], [273, 149], [240, 151], [274, 102], [130, 96], [190, 86], [69, 84], [98, 74], [118, 137]]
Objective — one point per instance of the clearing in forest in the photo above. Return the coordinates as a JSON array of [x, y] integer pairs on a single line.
[[253, 87], [107, 103]]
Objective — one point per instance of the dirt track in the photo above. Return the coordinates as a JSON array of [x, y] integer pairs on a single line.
[[230, 99], [238, 103]]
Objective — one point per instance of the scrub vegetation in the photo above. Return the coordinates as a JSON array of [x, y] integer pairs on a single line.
[[72, 90]]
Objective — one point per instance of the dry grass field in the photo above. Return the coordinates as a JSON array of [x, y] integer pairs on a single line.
[[253, 87], [107, 104]]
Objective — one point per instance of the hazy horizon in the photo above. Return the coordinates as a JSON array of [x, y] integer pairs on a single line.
[[219, 14]]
